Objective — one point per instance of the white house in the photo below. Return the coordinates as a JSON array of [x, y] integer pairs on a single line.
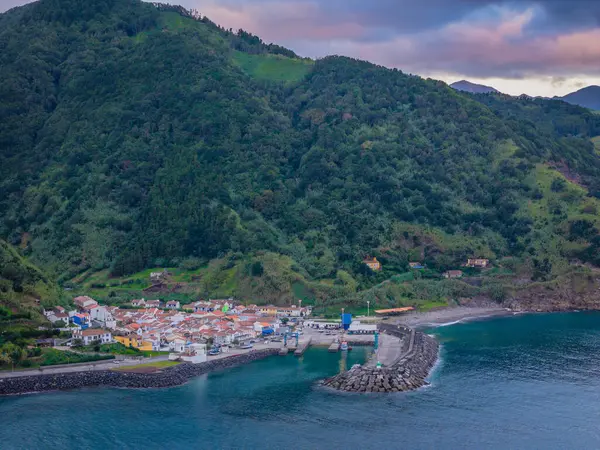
[[103, 315], [194, 353], [173, 304], [177, 346], [92, 335], [138, 302]]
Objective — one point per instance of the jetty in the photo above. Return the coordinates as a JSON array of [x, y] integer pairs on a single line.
[[334, 347], [302, 346], [402, 363]]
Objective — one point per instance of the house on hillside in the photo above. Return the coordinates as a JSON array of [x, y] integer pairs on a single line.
[[153, 304], [138, 303], [372, 263], [92, 335], [453, 274], [135, 341], [478, 262], [84, 302], [173, 304], [82, 319], [55, 317], [267, 310], [159, 277]]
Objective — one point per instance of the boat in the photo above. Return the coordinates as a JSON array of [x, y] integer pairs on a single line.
[[344, 347]]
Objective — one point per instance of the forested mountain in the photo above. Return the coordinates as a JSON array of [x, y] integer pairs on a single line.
[[588, 97], [135, 136], [472, 88]]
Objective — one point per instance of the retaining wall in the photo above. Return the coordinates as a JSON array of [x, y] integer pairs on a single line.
[[170, 376]]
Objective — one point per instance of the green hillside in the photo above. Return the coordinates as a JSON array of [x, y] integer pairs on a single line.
[[24, 290], [135, 137], [273, 67]]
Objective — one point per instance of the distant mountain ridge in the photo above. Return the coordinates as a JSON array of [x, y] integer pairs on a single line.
[[588, 97], [473, 88]]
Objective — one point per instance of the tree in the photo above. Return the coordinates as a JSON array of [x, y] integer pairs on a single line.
[[558, 185], [14, 353], [4, 359], [257, 269]]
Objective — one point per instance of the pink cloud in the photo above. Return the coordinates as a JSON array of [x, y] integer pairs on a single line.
[[274, 21], [502, 42]]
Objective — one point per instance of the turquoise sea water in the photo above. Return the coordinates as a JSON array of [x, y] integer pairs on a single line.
[[528, 382]]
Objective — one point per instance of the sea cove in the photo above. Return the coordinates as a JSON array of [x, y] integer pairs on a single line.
[[529, 381]]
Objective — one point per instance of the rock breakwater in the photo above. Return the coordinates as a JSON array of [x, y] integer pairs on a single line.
[[408, 373], [171, 376]]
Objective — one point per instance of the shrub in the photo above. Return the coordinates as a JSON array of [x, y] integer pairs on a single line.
[[558, 185]]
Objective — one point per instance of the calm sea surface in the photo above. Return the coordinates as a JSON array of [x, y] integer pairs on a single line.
[[527, 382]]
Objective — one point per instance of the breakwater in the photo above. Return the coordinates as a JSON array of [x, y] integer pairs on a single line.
[[170, 376], [407, 372]]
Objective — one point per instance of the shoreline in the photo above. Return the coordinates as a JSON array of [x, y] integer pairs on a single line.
[[454, 315], [169, 377], [184, 372]]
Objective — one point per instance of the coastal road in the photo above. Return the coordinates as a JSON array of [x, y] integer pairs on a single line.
[[81, 367]]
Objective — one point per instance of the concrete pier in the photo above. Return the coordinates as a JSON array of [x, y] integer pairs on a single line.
[[334, 347], [283, 351], [302, 346]]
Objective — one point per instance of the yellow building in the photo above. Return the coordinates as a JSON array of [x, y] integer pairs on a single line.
[[134, 341], [372, 264], [268, 310]]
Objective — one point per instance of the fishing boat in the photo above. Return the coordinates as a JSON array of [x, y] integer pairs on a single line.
[[344, 347]]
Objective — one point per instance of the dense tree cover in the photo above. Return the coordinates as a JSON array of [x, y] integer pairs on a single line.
[[129, 138], [555, 126]]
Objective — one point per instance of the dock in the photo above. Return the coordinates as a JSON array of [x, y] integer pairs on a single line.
[[302, 346], [283, 351], [334, 347]]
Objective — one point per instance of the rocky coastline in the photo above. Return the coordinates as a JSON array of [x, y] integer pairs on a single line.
[[171, 376], [407, 374]]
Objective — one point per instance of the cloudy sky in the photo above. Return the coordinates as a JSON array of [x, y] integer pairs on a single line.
[[538, 47]]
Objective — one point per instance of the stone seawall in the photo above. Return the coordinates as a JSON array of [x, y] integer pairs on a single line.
[[406, 374], [171, 376]]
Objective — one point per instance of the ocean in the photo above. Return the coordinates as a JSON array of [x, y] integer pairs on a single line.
[[525, 382]]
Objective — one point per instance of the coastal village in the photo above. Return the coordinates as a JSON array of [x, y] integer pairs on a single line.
[[155, 325], [184, 330], [194, 331]]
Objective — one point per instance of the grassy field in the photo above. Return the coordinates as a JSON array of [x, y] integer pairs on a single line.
[[273, 67], [432, 304], [148, 366]]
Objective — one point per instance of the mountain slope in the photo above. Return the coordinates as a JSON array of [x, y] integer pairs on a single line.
[[136, 136], [588, 97], [23, 289], [472, 88]]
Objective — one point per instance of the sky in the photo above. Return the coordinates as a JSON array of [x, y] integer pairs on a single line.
[[537, 47]]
